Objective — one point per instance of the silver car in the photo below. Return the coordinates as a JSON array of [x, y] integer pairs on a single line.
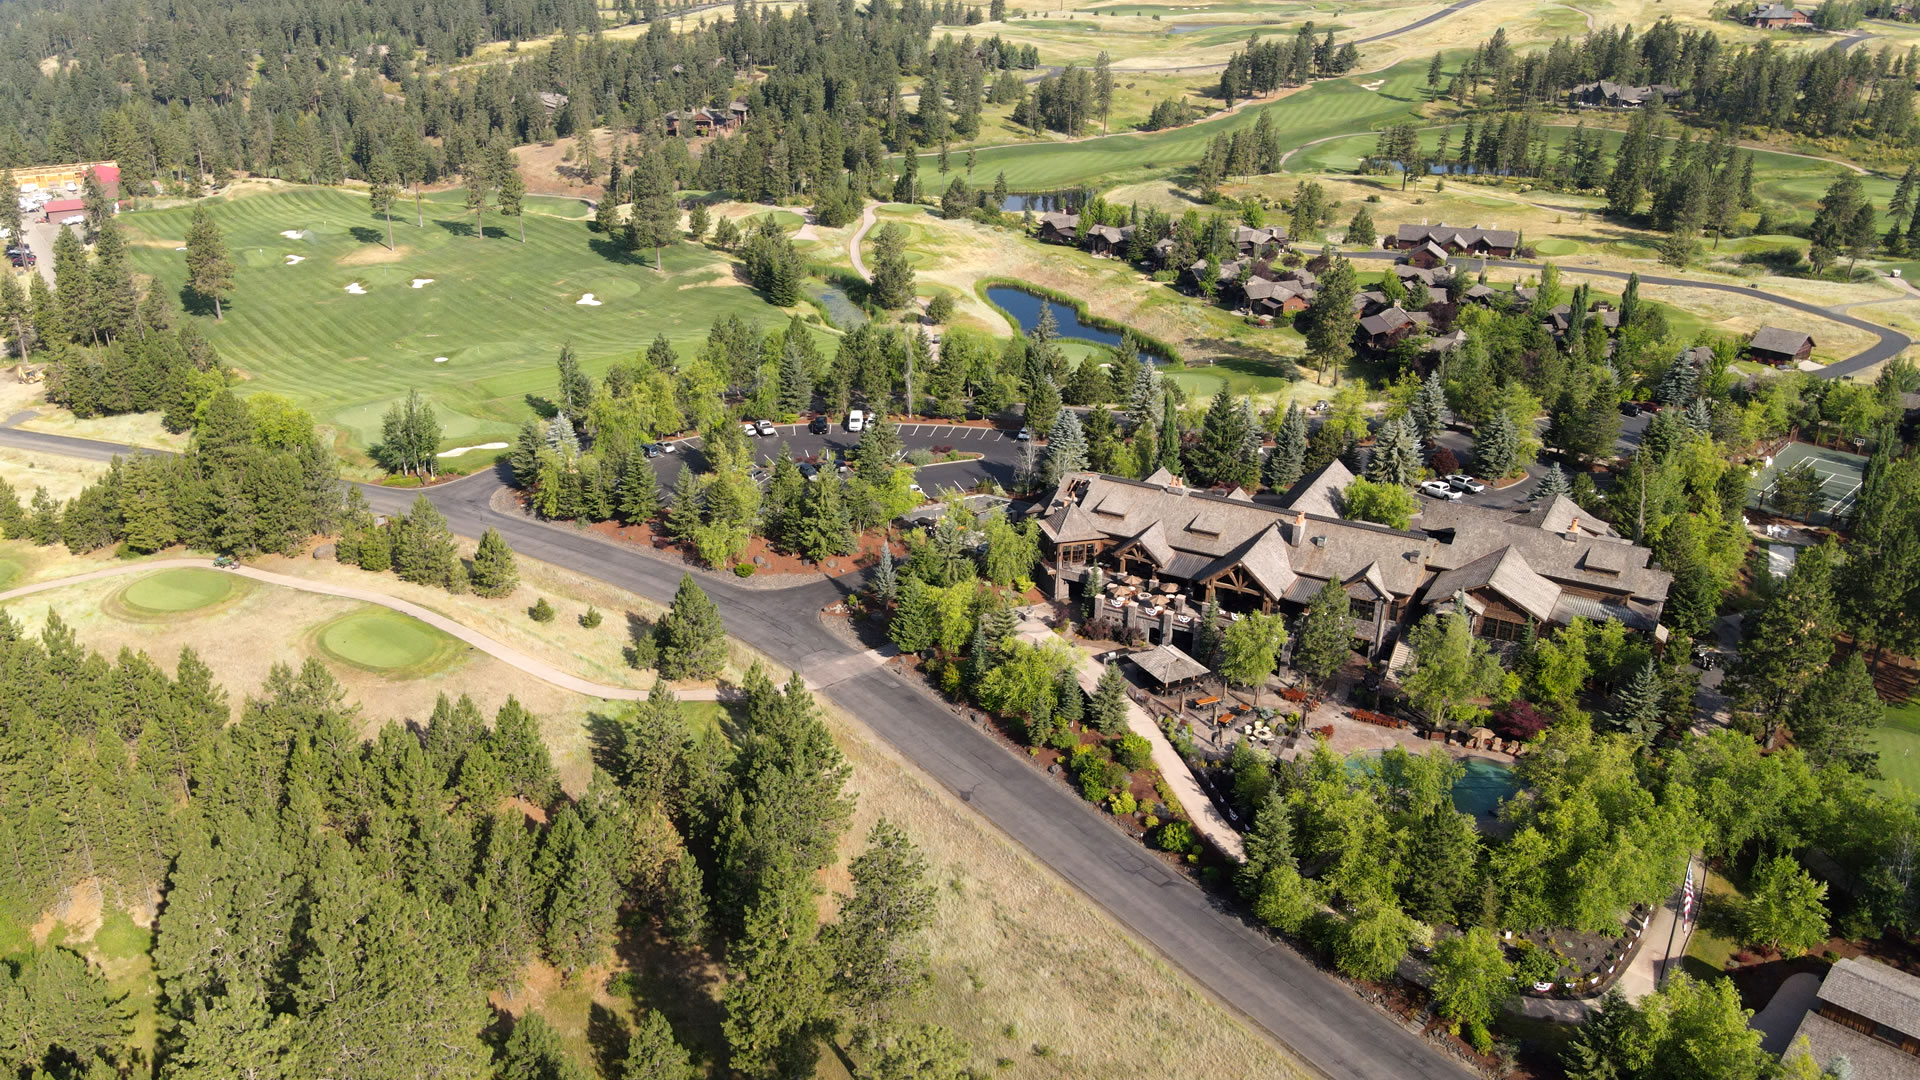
[[1438, 490], [1463, 483]]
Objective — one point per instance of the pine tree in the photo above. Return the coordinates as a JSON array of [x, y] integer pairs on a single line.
[[1429, 412], [652, 1053], [1109, 712], [1286, 463], [892, 280], [1636, 709], [683, 914], [1396, 460], [1066, 448], [684, 516], [1553, 482], [877, 957], [796, 382], [660, 354], [825, 529], [583, 896], [639, 489], [777, 1000], [575, 385], [424, 551], [209, 270], [1324, 640], [381, 191], [1497, 451], [885, 582], [698, 221], [494, 571], [533, 1051], [691, 638]]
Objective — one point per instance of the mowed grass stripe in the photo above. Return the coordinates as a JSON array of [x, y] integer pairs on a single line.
[[498, 309]]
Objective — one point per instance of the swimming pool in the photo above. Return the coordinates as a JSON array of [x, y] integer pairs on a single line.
[[1481, 790]]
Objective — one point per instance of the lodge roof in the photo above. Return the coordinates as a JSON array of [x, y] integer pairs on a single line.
[[1775, 340]]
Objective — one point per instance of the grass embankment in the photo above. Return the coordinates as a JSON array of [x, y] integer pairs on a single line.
[[1898, 741], [497, 311]]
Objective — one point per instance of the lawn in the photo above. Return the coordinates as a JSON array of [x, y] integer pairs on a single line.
[[1898, 741], [496, 310]]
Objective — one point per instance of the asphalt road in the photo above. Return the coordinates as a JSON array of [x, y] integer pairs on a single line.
[[1433, 18], [1889, 345], [1316, 1017]]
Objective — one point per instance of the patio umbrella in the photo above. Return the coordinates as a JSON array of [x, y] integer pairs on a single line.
[[1480, 733], [1169, 587], [1131, 579]]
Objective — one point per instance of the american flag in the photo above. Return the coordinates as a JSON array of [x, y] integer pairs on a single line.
[[1686, 897]]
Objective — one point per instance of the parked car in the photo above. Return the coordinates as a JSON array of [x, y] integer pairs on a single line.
[[856, 421], [667, 447], [1023, 435], [1463, 483], [808, 470], [1628, 408], [652, 449], [76, 219], [1438, 490], [819, 425], [747, 429], [765, 427], [22, 256]]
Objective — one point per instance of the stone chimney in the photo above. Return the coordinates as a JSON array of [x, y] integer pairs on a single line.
[[1299, 534]]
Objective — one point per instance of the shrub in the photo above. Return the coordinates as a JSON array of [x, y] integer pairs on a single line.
[[744, 569], [940, 308], [1122, 803], [1480, 1037], [1175, 836], [920, 457], [541, 611], [591, 619], [942, 451], [1443, 461], [1518, 720], [1134, 751]]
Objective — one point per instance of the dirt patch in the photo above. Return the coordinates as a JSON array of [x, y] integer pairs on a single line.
[[373, 255], [80, 909]]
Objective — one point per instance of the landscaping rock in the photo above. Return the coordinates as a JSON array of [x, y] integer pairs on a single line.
[[1053, 769], [324, 551], [761, 560]]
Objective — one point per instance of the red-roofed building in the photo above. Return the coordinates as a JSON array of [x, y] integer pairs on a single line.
[[60, 208], [108, 177]]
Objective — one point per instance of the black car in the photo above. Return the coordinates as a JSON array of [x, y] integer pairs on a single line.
[[819, 425], [21, 256], [1628, 408]]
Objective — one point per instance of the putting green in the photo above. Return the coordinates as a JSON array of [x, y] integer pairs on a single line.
[[172, 592], [1553, 245], [386, 642]]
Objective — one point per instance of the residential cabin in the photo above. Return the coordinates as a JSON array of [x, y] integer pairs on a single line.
[[706, 121], [1384, 327], [1105, 241], [1772, 345], [1249, 241], [1868, 1013], [1613, 95], [1778, 17], [1456, 240], [1060, 227]]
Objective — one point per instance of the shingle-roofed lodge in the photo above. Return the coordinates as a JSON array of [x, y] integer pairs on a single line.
[[1542, 567]]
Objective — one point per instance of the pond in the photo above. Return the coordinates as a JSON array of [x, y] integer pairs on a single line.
[[1479, 792], [1040, 202], [840, 307], [1025, 307]]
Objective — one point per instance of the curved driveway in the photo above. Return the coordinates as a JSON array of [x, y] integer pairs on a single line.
[[1417, 24]]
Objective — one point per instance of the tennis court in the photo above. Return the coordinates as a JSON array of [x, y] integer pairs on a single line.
[[1839, 475]]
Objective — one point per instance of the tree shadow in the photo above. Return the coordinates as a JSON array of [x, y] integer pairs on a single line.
[[544, 408], [612, 250], [604, 735], [195, 304], [456, 226], [607, 1038], [367, 235], [680, 984]]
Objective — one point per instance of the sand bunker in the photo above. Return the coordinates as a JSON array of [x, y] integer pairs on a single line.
[[422, 282], [294, 234], [295, 260], [356, 290], [439, 359], [1374, 85], [179, 249], [458, 450], [587, 301]]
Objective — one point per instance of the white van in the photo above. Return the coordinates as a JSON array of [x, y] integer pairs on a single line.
[[856, 420]]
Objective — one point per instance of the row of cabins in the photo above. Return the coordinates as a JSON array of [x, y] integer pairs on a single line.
[[1613, 95], [1110, 241], [706, 121], [1507, 572]]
